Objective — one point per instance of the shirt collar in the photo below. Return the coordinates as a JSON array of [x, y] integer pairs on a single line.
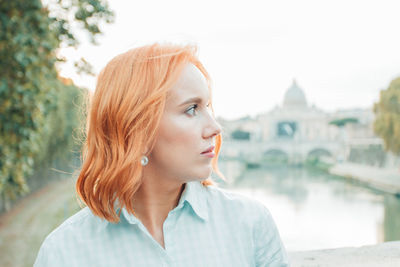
[[132, 219], [192, 194]]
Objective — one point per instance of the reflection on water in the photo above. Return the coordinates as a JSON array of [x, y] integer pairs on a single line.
[[314, 210]]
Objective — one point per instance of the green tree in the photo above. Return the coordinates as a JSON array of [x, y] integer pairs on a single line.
[[62, 125], [387, 121], [240, 135], [343, 122], [30, 90]]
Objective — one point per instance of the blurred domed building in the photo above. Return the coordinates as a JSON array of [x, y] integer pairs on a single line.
[[295, 119], [294, 97], [300, 130]]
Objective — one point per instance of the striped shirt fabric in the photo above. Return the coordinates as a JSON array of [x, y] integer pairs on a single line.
[[209, 227]]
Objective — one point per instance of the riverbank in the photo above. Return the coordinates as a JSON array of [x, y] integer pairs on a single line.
[[385, 180], [385, 254]]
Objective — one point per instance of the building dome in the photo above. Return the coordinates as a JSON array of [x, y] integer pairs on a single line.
[[294, 97]]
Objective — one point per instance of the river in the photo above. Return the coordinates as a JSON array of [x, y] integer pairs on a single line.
[[314, 210]]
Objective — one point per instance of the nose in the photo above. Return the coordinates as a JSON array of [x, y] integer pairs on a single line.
[[212, 129]]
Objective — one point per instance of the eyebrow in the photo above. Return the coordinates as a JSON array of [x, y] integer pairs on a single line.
[[191, 100]]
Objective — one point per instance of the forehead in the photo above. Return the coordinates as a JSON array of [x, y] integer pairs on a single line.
[[191, 83]]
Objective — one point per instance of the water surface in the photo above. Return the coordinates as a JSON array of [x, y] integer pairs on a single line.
[[314, 210]]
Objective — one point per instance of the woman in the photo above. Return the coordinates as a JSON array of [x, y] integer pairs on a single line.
[[152, 142]]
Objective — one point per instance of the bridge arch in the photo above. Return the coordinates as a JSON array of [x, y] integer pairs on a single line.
[[318, 153], [275, 155]]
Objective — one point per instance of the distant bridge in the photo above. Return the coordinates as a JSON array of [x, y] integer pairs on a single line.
[[295, 151]]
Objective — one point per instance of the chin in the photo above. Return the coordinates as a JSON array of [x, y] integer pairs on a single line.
[[199, 174], [200, 177]]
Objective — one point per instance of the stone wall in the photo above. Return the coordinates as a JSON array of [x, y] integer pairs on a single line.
[[382, 255]]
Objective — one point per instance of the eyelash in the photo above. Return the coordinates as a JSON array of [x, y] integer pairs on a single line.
[[194, 107]]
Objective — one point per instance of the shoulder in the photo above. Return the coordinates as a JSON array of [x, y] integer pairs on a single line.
[[81, 221], [253, 218], [79, 226], [70, 233]]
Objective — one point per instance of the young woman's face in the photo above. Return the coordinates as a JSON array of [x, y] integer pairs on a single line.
[[187, 129]]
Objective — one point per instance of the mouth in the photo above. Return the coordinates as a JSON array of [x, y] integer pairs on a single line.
[[209, 150], [209, 153]]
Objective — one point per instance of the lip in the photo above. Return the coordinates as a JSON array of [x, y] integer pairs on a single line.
[[208, 150], [209, 153]]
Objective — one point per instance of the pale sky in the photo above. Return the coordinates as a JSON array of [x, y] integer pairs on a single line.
[[341, 53]]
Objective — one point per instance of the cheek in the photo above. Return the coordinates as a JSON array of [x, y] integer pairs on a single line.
[[176, 134]]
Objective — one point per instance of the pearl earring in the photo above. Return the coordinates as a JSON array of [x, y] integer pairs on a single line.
[[144, 161]]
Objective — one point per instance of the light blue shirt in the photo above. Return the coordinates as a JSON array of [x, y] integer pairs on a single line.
[[209, 227]]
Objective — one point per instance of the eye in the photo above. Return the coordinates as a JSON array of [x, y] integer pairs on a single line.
[[192, 110]]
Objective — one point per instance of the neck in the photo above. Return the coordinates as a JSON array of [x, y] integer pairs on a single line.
[[155, 198]]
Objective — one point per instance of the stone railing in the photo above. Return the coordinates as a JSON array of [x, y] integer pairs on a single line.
[[382, 255]]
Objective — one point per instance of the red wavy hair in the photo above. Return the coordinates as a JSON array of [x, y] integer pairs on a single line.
[[123, 117]]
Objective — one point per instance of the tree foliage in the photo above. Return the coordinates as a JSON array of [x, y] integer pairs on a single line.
[[387, 111], [32, 96], [240, 135], [342, 122]]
